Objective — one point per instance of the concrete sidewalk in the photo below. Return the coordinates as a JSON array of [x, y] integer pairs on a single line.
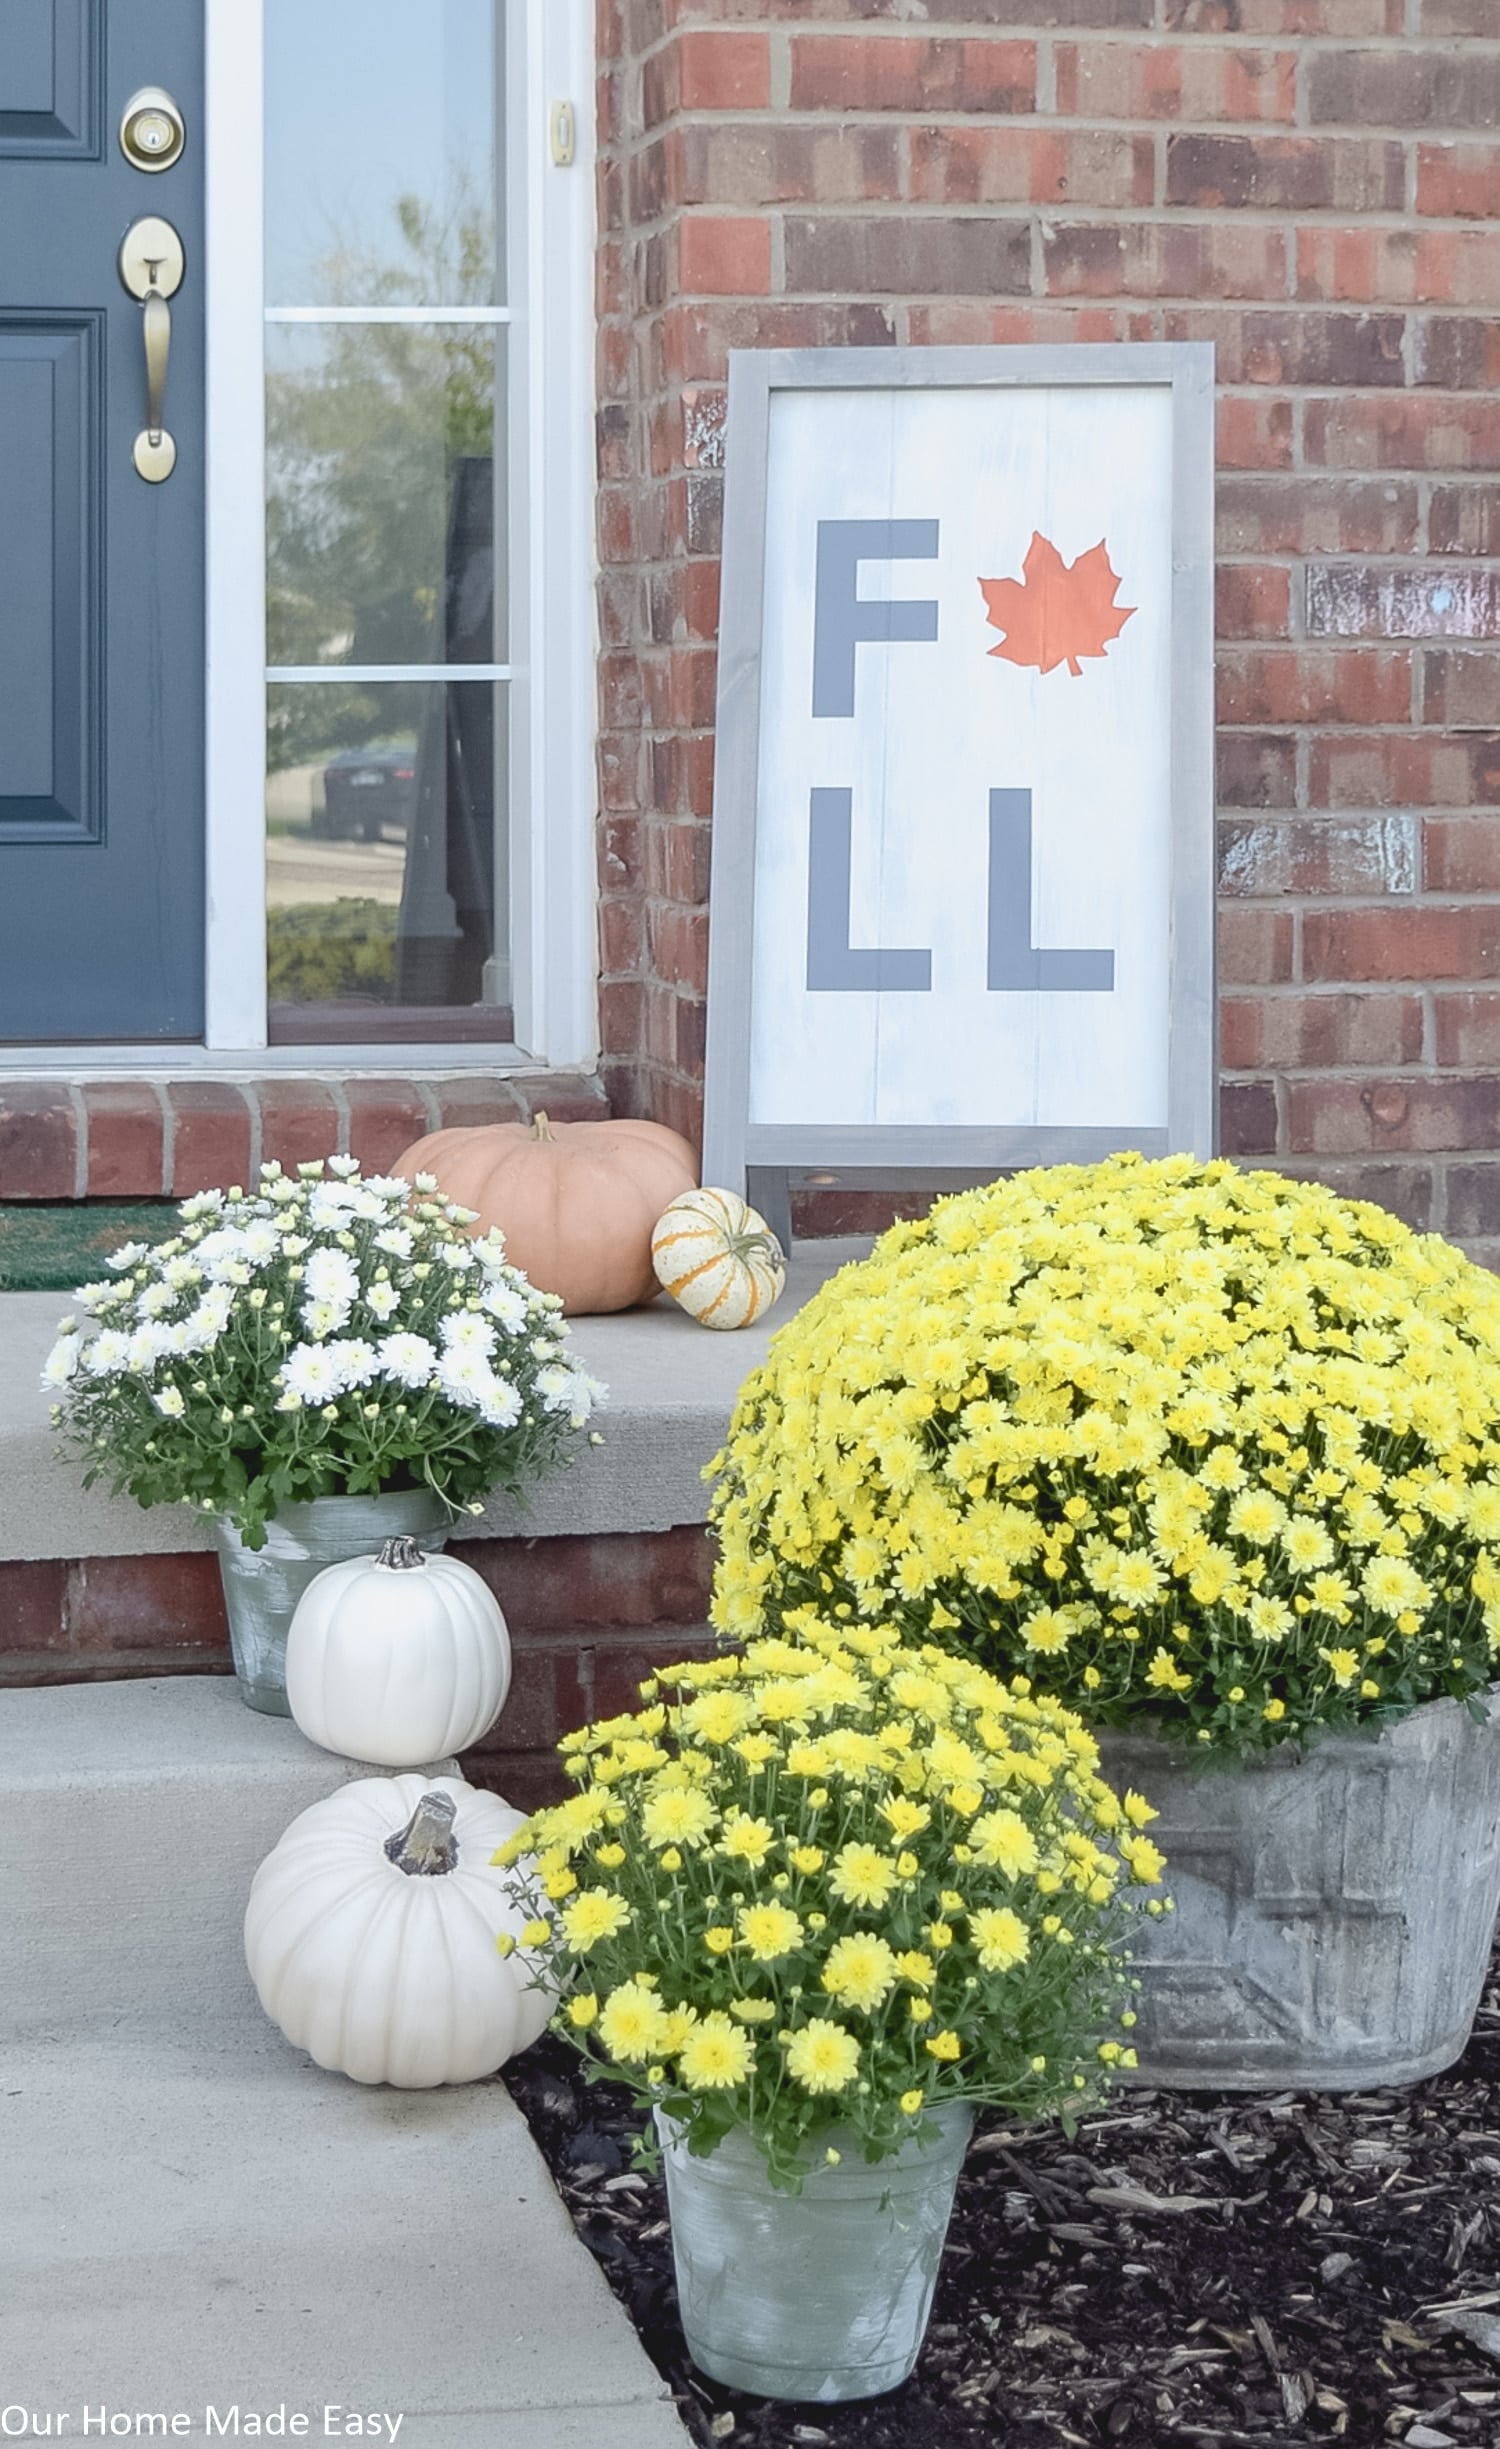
[[195, 2217]]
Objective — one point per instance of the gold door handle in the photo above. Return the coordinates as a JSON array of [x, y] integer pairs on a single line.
[[151, 267]]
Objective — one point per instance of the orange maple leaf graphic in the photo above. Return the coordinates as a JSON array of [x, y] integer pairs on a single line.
[[1055, 612]]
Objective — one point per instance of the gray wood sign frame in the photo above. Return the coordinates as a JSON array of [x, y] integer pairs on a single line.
[[770, 1157]]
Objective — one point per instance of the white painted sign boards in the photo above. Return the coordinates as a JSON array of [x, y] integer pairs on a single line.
[[962, 901]]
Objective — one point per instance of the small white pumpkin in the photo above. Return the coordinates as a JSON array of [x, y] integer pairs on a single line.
[[397, 1658], [717, 1258], [371, 1928]]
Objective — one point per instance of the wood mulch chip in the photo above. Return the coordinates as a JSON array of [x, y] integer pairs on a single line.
[[1191, 2267]]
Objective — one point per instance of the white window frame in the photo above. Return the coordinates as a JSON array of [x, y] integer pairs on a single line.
[[553, 644]]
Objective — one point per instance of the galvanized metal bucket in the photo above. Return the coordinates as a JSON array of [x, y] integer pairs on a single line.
[[262, 1586], [819, 2295], [1334, 1905]]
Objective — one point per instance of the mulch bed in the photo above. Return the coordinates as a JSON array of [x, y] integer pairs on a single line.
[[1190, 2267]]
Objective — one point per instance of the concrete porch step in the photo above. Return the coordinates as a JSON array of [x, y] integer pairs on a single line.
[[198, 2217]]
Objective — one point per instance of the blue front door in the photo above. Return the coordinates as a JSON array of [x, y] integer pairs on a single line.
[[101, 568]]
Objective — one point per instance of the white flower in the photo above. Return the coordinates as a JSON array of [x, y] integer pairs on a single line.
[[262, 1242], [383, 1300], [311, 1373], [388, 1186], [572, 1391], [465, 1376], [98, 1296], [329, 1208], [343, 1166], [154, 1300], [408, 1359], [506, 1306], [293, 1244], [396, 1239], [424, 1181], [357, 1360], [491, 1251], [457, 1255], [365, 1205], [107, 1353], [202, 1203], [183, 1272], [126, 1255], [62, 1360], [500, 1403], [466, 1331], [332, 1276], [170, 1402], [323, 1318], [148, 1345]]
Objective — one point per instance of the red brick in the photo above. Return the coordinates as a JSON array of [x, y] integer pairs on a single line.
[[616, 1578], [1256, 946], [211, 1136], [1461, 854], [1323, 856], [1404, 87], [1406, 1191], [125, 1138], [678, 863], [1333, 1116], [566, 1096], [385, 1116], [149, 1606], [33, 1615], [1277, 1033], [818, 1215], [622, 1009], [528, 1781], [723, 256], [1404, 770], [1460, 17], [298, 1121], [622, 938], [1254, 433], [1247, 1118], [1473, 1201], [840, 72], [1355, 600], [1261, 685], [908, 257], [1401, 267], [1417, 941], [1459, 182], [1307, 514], [1196, 259], [470, 1101], [1456, 352], [1257, 770], [679, 947], [1390, 432], [1338, 17], [723, 72], [1286, 173], [1013, 165], [1464, 519], [1168, 81], [759, 163], [1461, 686], [1467, 1030], [38, 1141]]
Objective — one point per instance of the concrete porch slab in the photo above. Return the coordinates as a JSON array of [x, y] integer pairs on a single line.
[[672, 1387]]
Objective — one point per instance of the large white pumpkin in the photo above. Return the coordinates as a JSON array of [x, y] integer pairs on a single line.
[[371, 1928], [397, 1658]]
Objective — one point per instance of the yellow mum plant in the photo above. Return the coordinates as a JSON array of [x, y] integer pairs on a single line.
[[1168, 1437], [831, 1881]]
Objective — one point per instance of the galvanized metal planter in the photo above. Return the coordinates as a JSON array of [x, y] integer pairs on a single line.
[[262, 1586], [819, 2295], [1334, 1907]]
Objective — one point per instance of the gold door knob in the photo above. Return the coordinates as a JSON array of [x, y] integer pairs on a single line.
[[151, 267]]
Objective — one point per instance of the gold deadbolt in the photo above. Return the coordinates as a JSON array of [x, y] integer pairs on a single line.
[[152, 130]]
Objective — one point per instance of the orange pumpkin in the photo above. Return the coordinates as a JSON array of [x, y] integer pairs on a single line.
[[576, 1201]]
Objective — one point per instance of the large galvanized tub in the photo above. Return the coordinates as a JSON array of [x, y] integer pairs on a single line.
[[1334, 1906]]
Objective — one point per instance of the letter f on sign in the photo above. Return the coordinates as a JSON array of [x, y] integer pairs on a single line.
[[843, 619]]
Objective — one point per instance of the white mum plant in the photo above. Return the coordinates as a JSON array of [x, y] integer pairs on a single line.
[[324, 1335]]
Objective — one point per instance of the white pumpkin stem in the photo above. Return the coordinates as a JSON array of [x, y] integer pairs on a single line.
[[426, 1848], [541, 1128], [401, 1554]]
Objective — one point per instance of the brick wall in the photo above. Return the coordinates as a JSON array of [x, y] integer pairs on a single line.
[[1313, 185]]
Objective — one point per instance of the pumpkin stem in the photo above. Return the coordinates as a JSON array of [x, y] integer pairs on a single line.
[[541, 1128], [426, 1847], [399, 1555]]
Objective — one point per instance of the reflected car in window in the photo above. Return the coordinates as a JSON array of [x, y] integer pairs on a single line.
[[368, 791]]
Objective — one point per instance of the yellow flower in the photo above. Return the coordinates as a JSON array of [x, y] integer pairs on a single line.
[[1274, 1710], [952, 1902], [1146, 1863], [822, 2057], [944, 2045], [593, 1915], [912, 1965], [1164, 1675], [806, 1858], [609, 1857], [907, 1818], [582, 2010], [632, 2023], [1000, 1937], [907, 1866], [746, 1839], [939, 1935], [719, 1940], [1003, 1840], [1138, 1811], [861, 1876], [677, 1815], [716, 2056], [769, 1931], [860, 1971], [536, 1934], [911, 2103], [1342, 1665]]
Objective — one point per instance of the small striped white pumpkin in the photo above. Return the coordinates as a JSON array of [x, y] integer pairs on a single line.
[[717, 1258]]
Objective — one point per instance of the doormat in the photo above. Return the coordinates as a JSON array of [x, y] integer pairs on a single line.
[[47, 1247]]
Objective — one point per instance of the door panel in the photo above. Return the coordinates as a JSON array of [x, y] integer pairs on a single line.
[[101, 581]]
